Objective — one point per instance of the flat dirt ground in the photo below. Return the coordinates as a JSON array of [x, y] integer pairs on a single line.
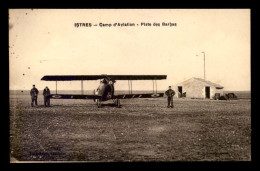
[[142, 130]]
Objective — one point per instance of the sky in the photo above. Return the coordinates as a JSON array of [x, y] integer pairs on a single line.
[[46, 42]]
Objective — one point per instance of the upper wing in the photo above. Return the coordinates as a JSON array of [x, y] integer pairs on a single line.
[[96, 77], [70, 77], [137, 77]]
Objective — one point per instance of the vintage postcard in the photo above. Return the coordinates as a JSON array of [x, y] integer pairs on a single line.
[[129, 85]]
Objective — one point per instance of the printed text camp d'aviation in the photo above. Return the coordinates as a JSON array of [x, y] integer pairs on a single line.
[[125, 24]]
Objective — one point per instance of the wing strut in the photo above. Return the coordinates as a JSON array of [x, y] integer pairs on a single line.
[[128, 87], [155, 86], [130, 90], [56, 87], [82, 91], [131, 87]]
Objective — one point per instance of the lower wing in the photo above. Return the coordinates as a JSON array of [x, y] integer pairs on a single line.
[[128, 96], [73, 96], [119, 96]]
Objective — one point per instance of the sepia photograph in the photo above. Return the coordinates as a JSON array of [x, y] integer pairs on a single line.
[[129, 85]]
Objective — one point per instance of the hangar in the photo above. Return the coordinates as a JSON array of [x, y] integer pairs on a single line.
[[198, 88]]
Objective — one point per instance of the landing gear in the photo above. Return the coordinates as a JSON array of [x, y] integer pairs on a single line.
[[94, 92], [117, 102], [99, 103]]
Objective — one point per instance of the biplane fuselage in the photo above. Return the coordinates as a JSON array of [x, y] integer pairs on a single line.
[[106, 89]]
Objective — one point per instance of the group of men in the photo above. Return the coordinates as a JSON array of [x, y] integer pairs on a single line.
[[34, 95]]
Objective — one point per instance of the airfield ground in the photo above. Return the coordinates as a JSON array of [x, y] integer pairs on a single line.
[[142, 130]]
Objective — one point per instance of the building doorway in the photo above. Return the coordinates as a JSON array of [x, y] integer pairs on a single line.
[[180, 90], [207, 92]]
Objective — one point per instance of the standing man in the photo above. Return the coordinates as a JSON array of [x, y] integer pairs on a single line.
[[170, 93], [34, 94], [45, 93]]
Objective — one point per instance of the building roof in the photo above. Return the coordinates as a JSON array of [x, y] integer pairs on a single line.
[[207, 82], [210, 83]]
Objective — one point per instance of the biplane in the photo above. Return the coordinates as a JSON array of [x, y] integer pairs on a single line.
[[106, 90]]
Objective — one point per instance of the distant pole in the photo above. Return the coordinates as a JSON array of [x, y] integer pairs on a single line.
[[204, 66]]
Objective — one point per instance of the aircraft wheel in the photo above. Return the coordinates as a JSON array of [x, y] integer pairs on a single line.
[[115, 102]]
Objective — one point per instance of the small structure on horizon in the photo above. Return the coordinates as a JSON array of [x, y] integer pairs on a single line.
[[198, 88]]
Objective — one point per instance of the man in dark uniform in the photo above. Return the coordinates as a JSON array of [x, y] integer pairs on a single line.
[[170, 93], [45, 93], [34, 94]]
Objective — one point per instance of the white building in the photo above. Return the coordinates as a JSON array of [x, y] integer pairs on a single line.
[[197, 88]]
